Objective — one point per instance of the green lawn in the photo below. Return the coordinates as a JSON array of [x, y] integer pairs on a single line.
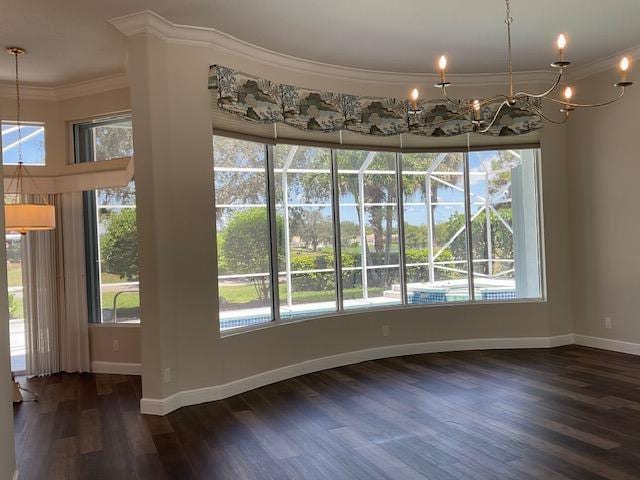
[[125, 300], [246, 293], [235, 295], [111, 278], [14, 274], [242, 294]]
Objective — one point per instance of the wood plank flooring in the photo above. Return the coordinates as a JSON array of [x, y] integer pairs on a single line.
[[564, 413]]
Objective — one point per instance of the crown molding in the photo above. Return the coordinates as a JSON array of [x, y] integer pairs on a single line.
[[601, 65], [68, 90], [149, 22]]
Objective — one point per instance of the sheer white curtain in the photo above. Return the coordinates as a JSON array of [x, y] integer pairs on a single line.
[[55, 313], [74, 327], [40, 297]]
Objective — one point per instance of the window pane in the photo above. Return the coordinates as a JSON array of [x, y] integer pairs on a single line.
[[243, 233], [306, 260], [368, 228], [30, 139], [17, 340], [434, 227], [505, 224], [114, 140], [118, 258], [111, 226]]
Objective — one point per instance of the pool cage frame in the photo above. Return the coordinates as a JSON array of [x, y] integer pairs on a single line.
[[483, 203]]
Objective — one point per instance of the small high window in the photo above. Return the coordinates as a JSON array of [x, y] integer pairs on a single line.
[[30, 138]]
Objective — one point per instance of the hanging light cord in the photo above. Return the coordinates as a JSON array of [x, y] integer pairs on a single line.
[[15, 54], [21, 170], [509, 20]]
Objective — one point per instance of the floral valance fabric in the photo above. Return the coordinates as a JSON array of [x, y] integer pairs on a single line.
[[260, 100]]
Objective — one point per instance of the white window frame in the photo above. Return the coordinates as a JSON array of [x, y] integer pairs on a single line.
[[335, 205]]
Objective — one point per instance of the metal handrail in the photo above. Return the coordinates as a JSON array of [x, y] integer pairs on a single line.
[[115, 301]]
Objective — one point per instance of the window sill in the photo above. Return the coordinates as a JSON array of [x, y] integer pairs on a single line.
[[117, 325], [357, 311]]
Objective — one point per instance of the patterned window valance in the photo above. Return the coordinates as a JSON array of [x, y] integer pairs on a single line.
[[259, 100]]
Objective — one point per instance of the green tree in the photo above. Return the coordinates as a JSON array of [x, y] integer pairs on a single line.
[[245, 246], [313, 228], [350, 233], [120, 245], [14, 251], [115, 141], [238, 187], [415, 236]]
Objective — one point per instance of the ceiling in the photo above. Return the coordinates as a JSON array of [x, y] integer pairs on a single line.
[[71, 40]]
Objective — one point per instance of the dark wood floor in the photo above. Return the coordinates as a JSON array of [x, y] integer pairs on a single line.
[[570, 412]]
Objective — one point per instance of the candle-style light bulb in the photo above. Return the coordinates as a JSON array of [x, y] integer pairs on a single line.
[[442, 63], [624, 67], [562, 41], [624, 64], [415, 94], [568, 93], [476, 109]]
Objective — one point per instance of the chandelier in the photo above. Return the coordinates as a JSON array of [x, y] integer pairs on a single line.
[[24, 216], [523, 100]]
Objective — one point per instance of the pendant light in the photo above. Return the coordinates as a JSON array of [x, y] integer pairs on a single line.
[[25, 216]]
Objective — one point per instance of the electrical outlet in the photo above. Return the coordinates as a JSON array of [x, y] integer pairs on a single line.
[[385, 330], [166, 375], [608, 322], [116, 345]]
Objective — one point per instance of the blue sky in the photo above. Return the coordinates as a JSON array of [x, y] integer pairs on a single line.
[[33, 151]]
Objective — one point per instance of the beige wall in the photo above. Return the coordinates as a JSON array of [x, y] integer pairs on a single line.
[[101, 343], [604, 162], [172, 123]]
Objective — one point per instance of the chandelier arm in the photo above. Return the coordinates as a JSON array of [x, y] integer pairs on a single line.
[[543, 94], [493, 99], [587, 105], [548, 119], [469, 109], [495, 117], [446, 97]]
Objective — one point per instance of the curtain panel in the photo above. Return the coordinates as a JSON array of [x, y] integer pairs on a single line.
[[56, 328], [259, 100], [41, 313]]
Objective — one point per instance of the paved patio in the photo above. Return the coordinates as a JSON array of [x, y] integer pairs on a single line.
[[17, 345]]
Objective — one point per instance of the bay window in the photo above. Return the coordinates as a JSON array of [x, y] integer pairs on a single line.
[[304, 231]]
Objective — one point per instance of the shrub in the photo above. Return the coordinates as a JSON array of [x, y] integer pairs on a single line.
[[120, 245], [13, 306]]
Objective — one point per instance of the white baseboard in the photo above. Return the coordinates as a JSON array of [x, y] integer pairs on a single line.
[[560, 340], [153, 406], [116, 368], [608, 344]]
